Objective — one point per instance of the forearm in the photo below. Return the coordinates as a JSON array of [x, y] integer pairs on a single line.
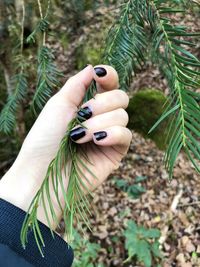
[[21, 183]]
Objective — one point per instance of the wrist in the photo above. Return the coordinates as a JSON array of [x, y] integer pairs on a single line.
[[21, 183]]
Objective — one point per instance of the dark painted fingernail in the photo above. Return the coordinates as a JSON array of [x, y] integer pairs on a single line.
[[77, 133], [101, 72], [100, 135], [84, 114]]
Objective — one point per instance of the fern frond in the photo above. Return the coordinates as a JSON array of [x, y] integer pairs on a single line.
[[8, 113], [47, 77], [182, 70], [126, 44]]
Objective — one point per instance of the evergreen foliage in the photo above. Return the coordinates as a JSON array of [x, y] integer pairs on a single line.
[[126, 44], [76, 197], [8, 117], [183, 72], [168, 48], [143, 28], [47, 78]]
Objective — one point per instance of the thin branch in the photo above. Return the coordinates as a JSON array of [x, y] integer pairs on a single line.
[[40, 9], [42, 17], [189, 204], [22, 26]]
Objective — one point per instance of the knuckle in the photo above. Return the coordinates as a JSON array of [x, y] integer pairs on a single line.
[[130, 135], [124, 115], [97, 96], [123, 97]]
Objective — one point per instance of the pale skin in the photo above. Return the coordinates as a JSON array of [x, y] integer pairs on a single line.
[[20, 184]]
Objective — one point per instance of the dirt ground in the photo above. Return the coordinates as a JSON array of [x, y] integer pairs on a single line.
[[172, 207]]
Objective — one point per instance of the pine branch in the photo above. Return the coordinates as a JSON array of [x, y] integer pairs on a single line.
[[126, 44], [8, 113], [183, 73], [19, 87], [69, 161], [42, 26], [47, 77]]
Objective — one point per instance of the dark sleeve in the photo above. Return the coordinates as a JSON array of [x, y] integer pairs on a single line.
[[57, 253]]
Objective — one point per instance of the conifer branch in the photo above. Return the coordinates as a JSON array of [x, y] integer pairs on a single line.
[[8, 113], [71, 163], [19, 87], [183, 75], [126, 44], [42, 26], [47, 77]]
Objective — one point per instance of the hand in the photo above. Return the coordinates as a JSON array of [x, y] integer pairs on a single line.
[[106, 139]]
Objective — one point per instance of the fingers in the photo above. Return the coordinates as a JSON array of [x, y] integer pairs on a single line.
[[106, 78], [112, 136], [104, 102], [75, 88], [82, 135]]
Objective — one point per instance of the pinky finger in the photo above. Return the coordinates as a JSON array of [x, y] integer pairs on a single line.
[[114, 136]]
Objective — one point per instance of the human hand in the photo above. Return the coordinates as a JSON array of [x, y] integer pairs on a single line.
[[108, 119]]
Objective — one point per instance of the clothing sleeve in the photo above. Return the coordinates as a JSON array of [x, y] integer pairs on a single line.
[[57, 253]]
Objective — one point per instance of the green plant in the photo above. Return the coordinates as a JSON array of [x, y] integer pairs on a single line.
[[143, 244], [86, 253], [143, 28], [133, 190]]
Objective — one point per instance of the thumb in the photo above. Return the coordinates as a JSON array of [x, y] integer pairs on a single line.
[[75, 88]]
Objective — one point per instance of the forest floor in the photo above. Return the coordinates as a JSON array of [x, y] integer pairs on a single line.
[[171, 206]]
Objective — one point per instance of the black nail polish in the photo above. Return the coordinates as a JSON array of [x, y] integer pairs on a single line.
[[84, 114], [101, 72], [100, 135], [77, 133]]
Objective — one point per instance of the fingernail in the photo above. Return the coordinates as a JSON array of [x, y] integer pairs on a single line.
[[100, 135], [100, 72], [84, 114], [77, 133]]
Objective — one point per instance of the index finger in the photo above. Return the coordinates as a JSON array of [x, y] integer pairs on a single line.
[[106, 78]]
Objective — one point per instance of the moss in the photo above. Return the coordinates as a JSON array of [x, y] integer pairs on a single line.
[[144, 110]]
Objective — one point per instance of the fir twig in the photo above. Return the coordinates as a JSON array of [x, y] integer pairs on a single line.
[[42, 26], [182, 72], [126, 44], [47, 77], [19, 87], [69, 162]]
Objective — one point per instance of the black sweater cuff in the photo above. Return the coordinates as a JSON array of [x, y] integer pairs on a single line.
[[57, 253]]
